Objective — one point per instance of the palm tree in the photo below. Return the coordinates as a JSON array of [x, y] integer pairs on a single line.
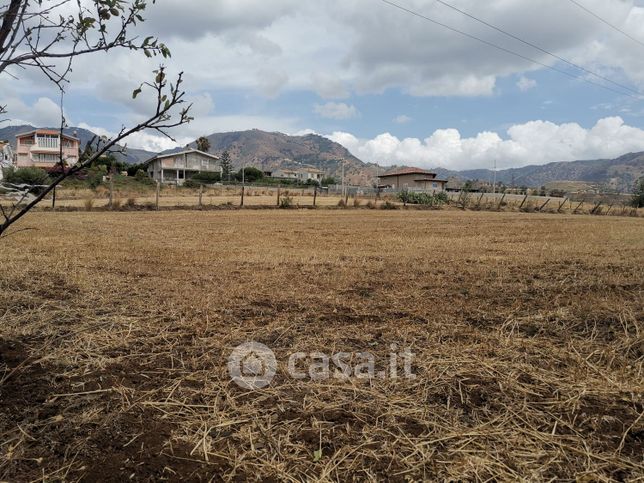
[[203, 144]]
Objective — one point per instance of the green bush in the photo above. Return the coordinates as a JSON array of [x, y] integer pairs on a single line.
[[250, 175], [191, 183], [414, 198], [142, 177], [638, 196], [32, 176], [286, 202], [28, 176], [207, 177], [329, 180], [95, 175]]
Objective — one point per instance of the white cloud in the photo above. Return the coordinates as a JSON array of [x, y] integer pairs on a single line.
[[402, 119], [525, 84], [43, 112], [366, 47], [536, 142], [336, 110]]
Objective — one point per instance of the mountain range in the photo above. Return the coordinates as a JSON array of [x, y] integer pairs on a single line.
[[272, 150]]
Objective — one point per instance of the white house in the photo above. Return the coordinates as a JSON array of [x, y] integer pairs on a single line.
[[302, 174], [176, 168]]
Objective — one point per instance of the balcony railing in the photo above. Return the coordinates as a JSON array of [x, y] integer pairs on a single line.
[[47, 142]]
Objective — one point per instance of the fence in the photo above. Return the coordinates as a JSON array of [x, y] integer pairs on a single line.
[[166, 197]]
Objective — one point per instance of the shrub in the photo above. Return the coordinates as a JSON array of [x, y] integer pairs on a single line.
[[388, 205], [191, 183], [28, 176], [131, 202], [356, 202], [207, 177], [89, 204], [250, 175], [414, 198], [286, 201], [638, 196], [328, 181], [95, 175], [342, 203], [142, 177], [371, 205]]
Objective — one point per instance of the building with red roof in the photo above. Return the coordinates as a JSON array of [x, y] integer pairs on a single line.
[[413, 179]]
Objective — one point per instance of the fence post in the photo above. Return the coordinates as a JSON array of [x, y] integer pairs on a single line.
[[576, 209], [315, 195], [561, 205], [242, 196], [523, 202], [500, 202], [609, 208], [478, 203], [545, 204], [200, 195], [157, 195], [111, 191], [279, 190], [53, 198]]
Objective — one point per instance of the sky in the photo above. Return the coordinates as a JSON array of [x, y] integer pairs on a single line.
[[392, 87]]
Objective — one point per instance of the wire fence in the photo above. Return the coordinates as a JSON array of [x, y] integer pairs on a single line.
[[254, 196]]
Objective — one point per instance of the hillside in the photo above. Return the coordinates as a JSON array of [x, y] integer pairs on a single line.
[[618, 174], [130, 155], [271, 150]]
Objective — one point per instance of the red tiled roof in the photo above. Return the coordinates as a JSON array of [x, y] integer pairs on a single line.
[[403, 171]]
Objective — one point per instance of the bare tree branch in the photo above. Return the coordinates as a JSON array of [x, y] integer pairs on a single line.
[[33, 32], [167, 99]]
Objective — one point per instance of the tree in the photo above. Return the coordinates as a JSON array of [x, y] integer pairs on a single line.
[[249, 174], [203, 144], [48, 36], [328, 181], [638, 195], [226, 166]]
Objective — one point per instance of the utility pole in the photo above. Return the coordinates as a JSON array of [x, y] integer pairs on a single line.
[[343, 187], [494, 184]]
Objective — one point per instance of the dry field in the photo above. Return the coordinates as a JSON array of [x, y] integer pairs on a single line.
[[527, 330]]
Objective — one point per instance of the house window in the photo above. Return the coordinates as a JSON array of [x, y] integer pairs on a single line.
[[434, 185], [205, 164], [46, 158]]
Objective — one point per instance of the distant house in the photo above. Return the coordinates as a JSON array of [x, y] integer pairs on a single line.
[[309, 173], [302, 174], [41, 148], [176, 168], [414, 179], [284, 174]]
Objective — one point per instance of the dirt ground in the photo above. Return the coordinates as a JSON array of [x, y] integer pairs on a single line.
[[526, 329]]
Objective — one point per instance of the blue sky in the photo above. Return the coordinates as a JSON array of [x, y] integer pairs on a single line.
[[389, 86]]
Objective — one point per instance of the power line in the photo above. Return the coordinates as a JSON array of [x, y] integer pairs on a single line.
[[601, 19], [534, 46], [503, 49]]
